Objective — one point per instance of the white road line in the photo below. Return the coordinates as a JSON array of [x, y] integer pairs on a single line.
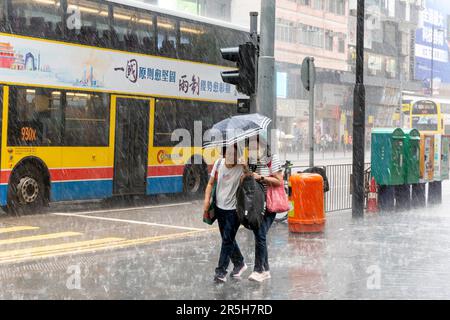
[[129, 209], [127, 221]]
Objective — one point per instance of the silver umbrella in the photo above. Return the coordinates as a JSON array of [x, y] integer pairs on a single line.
[[236, 129]]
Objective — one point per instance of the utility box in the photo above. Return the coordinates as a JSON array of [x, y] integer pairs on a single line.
[[411, 156], [441, 163], [426, 157], [387, 156]]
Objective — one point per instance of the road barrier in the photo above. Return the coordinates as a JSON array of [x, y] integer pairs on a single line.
[[339, 196]]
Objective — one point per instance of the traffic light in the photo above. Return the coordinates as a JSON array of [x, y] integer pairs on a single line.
[[245, 57]]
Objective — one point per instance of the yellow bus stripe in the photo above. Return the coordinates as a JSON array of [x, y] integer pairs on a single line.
[[40, 237], [18, 228], [75, 246]]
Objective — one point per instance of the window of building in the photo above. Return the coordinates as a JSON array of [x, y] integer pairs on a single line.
[[375, 65], [35, 18], [336, 7], [391, 67], [167, 37], [311, 36], [390, 34], [317, 4], [86, 121], [34, 117], [329, 40], [134, 30], [286, 31], [90, 23], [304, 2], [340, 7], [341, 44]]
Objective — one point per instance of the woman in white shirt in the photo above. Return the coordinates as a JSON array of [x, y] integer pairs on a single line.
[[229, 173]]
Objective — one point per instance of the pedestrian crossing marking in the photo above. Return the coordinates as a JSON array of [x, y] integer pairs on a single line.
[[75, 247], [18, 228], [89, 246], [40, 237]]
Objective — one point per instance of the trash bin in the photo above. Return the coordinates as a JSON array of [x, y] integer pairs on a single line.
[[308, 198]]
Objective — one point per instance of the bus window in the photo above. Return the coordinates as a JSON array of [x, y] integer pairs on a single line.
[[134, 30], [182, 114], [167, 37], [191, 35], [94, 22], [165, 122], [35, 18], [86, 119], [2, 16], [34, 117]]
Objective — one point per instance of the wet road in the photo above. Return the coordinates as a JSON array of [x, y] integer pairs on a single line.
[[160, 249]]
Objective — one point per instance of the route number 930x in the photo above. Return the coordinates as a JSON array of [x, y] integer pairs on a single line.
[[28, 134]]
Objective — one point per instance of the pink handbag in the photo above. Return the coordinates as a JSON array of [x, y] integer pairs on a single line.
[[277, 200]]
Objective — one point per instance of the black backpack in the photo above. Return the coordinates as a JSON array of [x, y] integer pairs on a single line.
[[323, 173], [251, 203]]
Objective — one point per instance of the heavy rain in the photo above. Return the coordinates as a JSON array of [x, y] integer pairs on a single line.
[[224, 150]]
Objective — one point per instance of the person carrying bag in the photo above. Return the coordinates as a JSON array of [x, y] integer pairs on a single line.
[[269, 173], [226, 175]]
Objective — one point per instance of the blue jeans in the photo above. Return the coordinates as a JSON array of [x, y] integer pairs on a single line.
[[228, 226], [261, 254]]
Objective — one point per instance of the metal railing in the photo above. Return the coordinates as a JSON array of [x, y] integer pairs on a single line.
[[339, 196]]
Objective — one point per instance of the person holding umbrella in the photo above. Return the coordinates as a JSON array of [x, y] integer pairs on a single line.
[[228, 173], [268, 171]]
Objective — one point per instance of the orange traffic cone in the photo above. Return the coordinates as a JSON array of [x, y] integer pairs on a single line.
[[372, 199]]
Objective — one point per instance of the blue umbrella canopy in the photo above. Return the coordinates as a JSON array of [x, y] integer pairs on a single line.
[[237, 128]]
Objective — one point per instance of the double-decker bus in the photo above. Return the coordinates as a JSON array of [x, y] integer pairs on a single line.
[[426, 116], [91, 92]]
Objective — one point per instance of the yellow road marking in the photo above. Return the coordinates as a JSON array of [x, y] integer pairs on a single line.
[[18, 228], [96, 247], [40, 237], [74, 246]]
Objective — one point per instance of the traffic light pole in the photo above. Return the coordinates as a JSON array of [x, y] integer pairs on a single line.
[[359, 105], [254, 36], [311, 115], [266, 68]]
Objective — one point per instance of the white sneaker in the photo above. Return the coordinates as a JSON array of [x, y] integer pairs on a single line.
[[257, 276], [237, 272], [267, 275]]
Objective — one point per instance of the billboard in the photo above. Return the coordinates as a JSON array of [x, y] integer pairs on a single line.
[[48, 63], [432, 40]]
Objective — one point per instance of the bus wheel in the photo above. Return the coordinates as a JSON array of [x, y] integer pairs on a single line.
[[194, 180], [27, 191]]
